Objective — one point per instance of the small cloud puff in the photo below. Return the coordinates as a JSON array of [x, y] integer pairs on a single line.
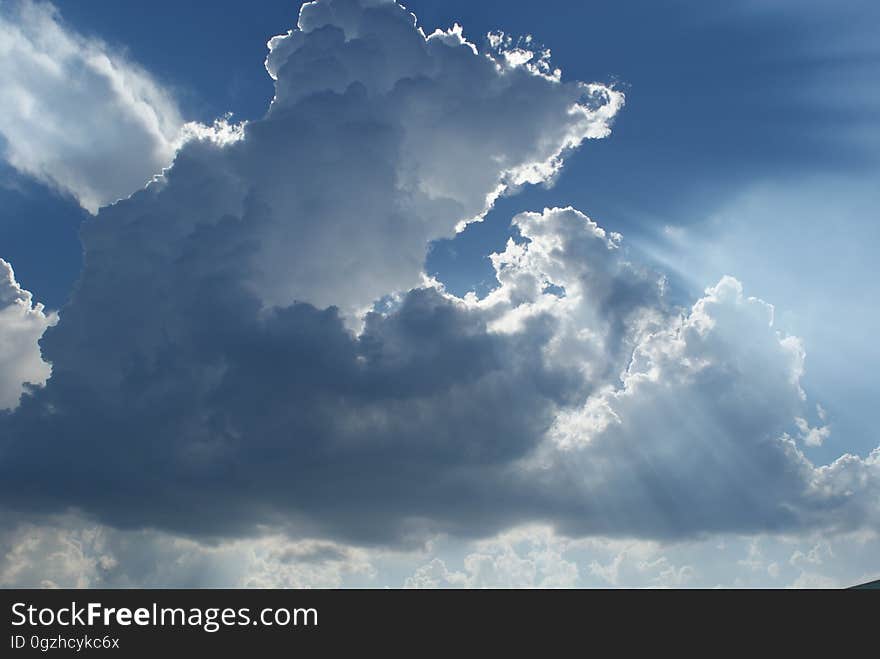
[[22, 323]]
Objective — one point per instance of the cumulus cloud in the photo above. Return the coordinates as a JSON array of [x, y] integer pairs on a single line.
[[22, 323], [201, 307], [76, 113], [527, 556], [521, 558], [694, 437], [253, 343], [456, 415], [379, 135]]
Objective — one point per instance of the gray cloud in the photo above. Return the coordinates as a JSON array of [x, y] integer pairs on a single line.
[[461, 416], [215, 372]]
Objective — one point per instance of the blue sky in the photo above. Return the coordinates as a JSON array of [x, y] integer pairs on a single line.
[[748, 146]]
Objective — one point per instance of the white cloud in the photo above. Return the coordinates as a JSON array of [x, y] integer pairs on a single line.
[[22, 323], [728, 561], [812, 436], [574, 271], [695, 436], [381, 136], [529, 557], [806, 245], [76, 113]]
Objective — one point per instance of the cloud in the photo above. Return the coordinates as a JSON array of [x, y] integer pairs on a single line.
[[75, 113], [68, 551], [451, 415], [253, 345], [22, 323], [685, 422], [200, 330], [771, 234], [694, 438], [377, 133], [813, 436], [522, 558], [526, 556]]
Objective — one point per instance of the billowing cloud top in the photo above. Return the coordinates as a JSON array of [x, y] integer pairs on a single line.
[[376, 132], [252, 343]]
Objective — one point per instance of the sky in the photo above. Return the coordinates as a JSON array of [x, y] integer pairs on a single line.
[[569, 294]]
